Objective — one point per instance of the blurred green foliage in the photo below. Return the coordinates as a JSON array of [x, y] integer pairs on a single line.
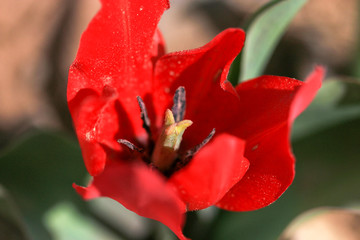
[[38, 171], [66, 222], [263, 34]]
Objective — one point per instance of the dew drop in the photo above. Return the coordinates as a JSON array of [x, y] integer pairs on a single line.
[[89, 136], [107, 80]]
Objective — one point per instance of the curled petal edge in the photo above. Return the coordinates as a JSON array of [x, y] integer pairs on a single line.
[[139, 189]]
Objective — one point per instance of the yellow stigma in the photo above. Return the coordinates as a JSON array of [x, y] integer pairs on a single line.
[[169, 141], [169, 118]]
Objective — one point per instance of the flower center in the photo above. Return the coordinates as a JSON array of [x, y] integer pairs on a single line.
[[168, 143], [163, 154]]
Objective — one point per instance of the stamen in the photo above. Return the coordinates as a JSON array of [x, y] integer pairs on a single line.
[[130, 145], [194, 150], [178, 109], [182, 161], [144, 115]]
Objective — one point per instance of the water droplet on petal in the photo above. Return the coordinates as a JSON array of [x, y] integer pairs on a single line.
[[90, 135]]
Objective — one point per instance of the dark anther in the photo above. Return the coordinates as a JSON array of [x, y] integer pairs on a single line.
[[130, 145], [182, 161], [179, 106], [144, 115], [194, 150]]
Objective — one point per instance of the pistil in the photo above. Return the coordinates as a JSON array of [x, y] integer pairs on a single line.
[[168, 143]]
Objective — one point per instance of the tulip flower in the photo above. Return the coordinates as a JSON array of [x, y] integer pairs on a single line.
[[163, 134]]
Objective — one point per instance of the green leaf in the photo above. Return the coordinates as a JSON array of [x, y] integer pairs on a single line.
[[38, 171], [336, 102], [12, 226], [126, 222], [263, 35], [66, 222]]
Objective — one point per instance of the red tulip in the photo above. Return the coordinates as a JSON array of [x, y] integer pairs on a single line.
[[236, 153]]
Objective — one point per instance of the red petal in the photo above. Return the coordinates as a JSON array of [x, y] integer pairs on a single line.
[[117, 50], [210, 97], [139, 189], [212, 172], [99, 121], [271, 172], [306, 94], [158, 48], [269, 104]]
